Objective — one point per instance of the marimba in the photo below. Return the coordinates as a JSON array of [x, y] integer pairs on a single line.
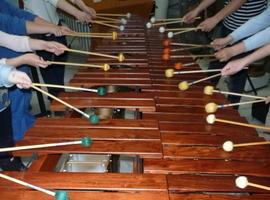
[[177, 155]]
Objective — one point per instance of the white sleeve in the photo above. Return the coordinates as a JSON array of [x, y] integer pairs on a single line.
[[15, 42], [53, 2]]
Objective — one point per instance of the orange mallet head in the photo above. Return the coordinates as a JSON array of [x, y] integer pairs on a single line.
[[166, 51], [178, 66], [166, 43], [166, 57]]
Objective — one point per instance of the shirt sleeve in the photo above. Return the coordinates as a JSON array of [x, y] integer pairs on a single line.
[[258, 40], [12, 25], [53, 2], [5, 71], [15, 42], [252, 26], [9, 9]]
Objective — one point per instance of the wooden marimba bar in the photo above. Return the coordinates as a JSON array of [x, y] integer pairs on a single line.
[[177, 155]]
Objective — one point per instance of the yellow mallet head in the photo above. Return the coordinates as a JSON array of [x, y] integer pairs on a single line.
[[121, 57], [208, 90], [114, 35], [169, 73], [183, 85], [106, 67], [211, 107]]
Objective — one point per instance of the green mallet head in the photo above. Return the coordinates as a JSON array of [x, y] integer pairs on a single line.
[[61, 195], [94, 119], [86, 141], [102, 91]]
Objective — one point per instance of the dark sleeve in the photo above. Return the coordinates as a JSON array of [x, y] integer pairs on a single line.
[[9, 9]]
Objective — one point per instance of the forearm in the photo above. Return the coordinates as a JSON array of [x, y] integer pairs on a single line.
[[16, 62], [258, 40], [67, 7], [257, 55], [80, 4], [39, 20], [252, 26], [203, 5], [229, 9], [35, 28]]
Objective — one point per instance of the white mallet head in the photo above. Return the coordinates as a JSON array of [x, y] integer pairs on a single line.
[[148, 25], [128, 15], [228, 146], [122, 28], [241, 182], [123, 21], [183, 85], [211, 119], [162, 29], [153, 20], [170, 35], [208, 90]]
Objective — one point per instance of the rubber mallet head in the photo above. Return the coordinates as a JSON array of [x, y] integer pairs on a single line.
[[102, 91], [183, 85], [94, 119], [211, 107], [208, 90]]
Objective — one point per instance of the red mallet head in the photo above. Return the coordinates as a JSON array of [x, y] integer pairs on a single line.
[[166, 43], [178, 66], [166, 57]]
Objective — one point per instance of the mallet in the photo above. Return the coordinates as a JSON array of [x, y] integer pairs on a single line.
[[211, 119], [242, 182], [209, 90], [120, 57], [212, 107], [171, 72], [58, 195], [101, 91], [85, 142], [94, 119], [184, 85], [105, 67], [229, 145]]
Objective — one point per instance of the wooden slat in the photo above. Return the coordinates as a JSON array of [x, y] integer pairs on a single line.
[[130, 100], [226, 184], [29, 195], [196, 152], [90, 181], [214, 167], [104, 124], [146, 149], [218, 197]]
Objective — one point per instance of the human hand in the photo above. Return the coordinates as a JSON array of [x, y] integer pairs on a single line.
[[190, 16], [21, 79], [34, 60], [83, 17], [233, 67], [91, 11], [208, 24], [220, 43], [224, 54], [54, 47]]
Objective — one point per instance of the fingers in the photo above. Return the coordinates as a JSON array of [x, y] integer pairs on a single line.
[[21, 79]]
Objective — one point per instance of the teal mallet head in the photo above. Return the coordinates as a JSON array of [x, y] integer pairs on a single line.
[[86, 141], [102, 91], [61, 195], [94, 119]]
